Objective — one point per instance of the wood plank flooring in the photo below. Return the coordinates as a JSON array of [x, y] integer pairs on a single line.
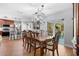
[[15, 48]]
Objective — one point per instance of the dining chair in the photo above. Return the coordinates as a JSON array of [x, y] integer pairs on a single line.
[[31, 35], [23, 37], [28, 43], [28, 40], [52, 44], [35, 44], [37, 34]]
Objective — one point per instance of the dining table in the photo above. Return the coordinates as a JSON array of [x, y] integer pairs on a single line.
[[42, 40]]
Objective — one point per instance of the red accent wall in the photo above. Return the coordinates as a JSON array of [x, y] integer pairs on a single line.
[[6, 21]]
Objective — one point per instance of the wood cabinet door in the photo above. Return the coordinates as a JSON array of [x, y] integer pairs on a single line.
[[77, 28]]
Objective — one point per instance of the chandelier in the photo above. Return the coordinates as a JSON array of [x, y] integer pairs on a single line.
[[39, 15]]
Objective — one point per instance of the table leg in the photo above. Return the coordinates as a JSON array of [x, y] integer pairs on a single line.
[[42, 50]]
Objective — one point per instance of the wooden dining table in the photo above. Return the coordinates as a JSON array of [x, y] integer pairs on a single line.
[[42, 40]]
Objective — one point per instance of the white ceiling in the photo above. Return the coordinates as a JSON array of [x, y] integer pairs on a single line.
[[26, 10]]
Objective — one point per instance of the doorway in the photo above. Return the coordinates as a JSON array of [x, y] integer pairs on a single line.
[[60, 26]]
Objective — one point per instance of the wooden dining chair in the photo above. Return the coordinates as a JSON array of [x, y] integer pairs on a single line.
[[52, 45], [28, 43], [28, 40], [23, 37], [35, 44], [37, 34], [31, 35]]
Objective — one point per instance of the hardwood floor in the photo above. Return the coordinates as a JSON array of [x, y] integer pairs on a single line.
[[15, 48]]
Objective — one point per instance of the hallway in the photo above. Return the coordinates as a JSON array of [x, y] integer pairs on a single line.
[[15, 48]]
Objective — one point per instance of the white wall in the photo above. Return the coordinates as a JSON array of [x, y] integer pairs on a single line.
[[75, 16], [67, 15]]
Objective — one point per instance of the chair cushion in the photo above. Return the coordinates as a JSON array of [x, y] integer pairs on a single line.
[[50, 43], [50, 47], [37, 45]]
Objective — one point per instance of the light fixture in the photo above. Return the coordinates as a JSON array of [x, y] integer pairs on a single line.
[[39, 15]]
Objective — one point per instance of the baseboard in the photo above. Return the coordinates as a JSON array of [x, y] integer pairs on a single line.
[[68, 46]]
